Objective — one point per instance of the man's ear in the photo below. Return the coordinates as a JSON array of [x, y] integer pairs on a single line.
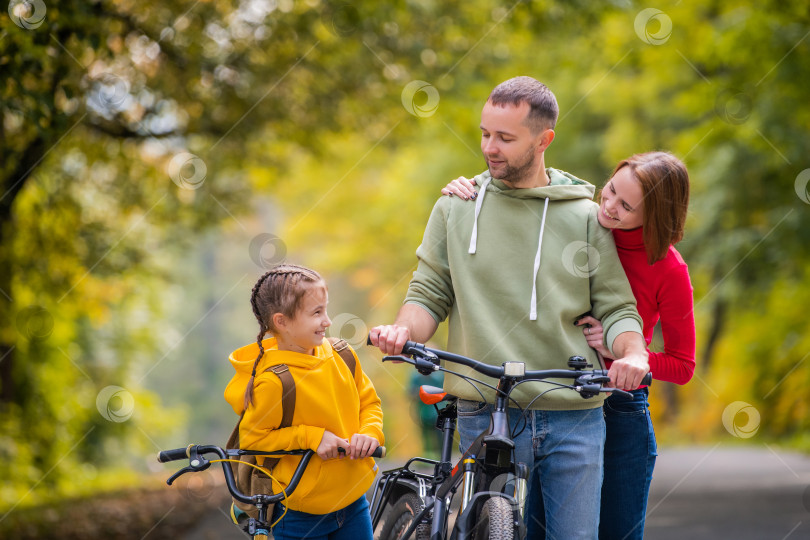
[[279, 321], [545, 139]]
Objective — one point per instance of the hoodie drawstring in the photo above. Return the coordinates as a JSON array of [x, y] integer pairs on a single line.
[[533, 308], [474, 242], [482, 191]]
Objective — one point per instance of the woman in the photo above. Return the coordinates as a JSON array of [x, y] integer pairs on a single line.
[[644, 204]]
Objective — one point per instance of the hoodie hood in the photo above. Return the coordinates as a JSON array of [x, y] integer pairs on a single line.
[[243, 358], [562, 186]]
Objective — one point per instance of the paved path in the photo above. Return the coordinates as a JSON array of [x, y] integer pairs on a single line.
[[705, 493], [719, 492]]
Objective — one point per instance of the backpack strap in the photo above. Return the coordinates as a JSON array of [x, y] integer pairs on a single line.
[[341, 346], [287, 405], [287, 393]]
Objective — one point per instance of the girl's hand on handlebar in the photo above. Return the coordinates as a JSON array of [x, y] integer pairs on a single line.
[[462, 187], [328, 448], [362, 446], [594, 335]]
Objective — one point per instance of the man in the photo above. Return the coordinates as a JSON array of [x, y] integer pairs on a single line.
[[513, 272]]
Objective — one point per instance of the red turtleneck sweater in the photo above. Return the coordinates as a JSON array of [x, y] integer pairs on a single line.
[[663, 291]]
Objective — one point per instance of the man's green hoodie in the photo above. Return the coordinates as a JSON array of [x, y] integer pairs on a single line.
[[513, 272]]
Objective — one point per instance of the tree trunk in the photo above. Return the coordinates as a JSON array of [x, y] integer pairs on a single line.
[[717, 319], [8, 333], [12, 186]]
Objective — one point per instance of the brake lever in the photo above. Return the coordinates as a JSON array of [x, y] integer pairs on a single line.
[[625, 394], [422, 364], [178, 474]]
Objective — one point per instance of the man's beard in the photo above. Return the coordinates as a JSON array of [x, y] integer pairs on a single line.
[[513, 174]]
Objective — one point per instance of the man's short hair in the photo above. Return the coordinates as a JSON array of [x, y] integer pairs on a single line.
[[543, 111]]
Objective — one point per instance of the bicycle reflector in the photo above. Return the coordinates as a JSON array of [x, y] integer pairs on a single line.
[[514, 369], [430, 395]]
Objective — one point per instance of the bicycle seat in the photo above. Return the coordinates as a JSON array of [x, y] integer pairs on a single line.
[[431, 395]]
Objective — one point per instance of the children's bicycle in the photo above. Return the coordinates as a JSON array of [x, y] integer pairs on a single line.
[[259, 527], [412, 504]]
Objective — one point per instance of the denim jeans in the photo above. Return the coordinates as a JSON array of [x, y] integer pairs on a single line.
[[563, 450], [630, 453], [350, 523]]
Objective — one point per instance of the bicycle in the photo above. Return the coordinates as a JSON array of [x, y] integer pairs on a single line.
[[493, 487], [257, 528]]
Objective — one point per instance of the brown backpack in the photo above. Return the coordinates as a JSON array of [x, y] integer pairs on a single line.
[[252, 481]]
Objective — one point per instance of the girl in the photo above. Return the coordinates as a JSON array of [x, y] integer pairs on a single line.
[[333, 409], [644, 204]]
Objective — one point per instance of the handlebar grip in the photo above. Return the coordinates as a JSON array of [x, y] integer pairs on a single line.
[[647, 380], [172, 455], [378, 452], [406, 349]]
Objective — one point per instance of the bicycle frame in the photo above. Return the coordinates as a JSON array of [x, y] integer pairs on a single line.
[[487, 458]]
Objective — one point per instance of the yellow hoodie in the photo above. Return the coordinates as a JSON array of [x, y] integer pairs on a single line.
[[326, 399]]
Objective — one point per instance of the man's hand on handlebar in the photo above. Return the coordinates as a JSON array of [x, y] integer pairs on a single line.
[[626, 373], [389, 338], [632, 364]]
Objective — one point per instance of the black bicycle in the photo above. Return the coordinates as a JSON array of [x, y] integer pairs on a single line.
[[413, 504], [259, 527]]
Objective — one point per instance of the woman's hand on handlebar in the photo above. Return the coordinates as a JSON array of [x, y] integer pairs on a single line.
[[362, 446], [330, 443], [389, 338]]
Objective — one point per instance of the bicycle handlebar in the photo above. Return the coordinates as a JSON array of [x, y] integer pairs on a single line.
[[173, 455], [197, 462], [426, 360], [176, 454]]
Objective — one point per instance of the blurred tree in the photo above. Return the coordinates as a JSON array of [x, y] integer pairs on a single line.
[[129, 126]]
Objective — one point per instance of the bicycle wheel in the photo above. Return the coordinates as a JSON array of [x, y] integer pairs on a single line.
[[495, 522], [401, 516]]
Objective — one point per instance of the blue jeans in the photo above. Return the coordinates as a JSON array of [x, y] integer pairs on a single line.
[[630, 453], [350, 523], [563, 450]]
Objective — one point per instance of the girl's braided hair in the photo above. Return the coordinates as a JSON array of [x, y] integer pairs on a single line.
[[280, 290]]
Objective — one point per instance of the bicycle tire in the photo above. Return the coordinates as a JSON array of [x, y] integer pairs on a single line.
[[496, 521], [401, 515]]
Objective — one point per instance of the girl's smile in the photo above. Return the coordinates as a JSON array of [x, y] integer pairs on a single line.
[[307, 329]]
